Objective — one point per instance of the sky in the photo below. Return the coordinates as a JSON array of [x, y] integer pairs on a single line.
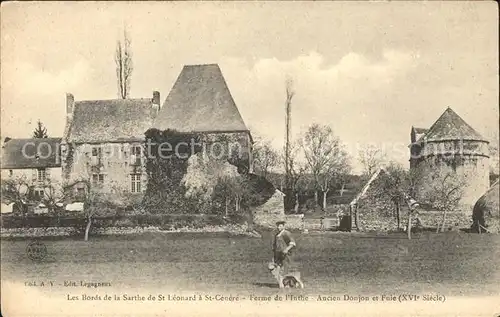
[[370, 70]]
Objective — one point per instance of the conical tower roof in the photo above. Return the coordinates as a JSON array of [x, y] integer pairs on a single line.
[[450, 126]]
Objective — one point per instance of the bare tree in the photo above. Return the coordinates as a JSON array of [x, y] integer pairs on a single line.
[[265, 157], [124, 65], [396, 185], [288, 125], [54, 194], [297, 170], [93, 197], [371, 158], [444, 192], [325, 157], [40, 131], [15, 190]]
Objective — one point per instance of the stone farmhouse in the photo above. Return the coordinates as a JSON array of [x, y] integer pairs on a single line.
[[451, 145], [34, 162], [104, 140]]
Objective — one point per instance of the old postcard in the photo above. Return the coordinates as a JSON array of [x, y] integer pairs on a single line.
[[250, 159]]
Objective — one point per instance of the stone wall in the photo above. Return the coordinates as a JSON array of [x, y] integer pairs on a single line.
[[375, 219], [116, 163], [468, 159], [273, 210], [52, 183], [269, 220], [379, 222], [431, 219]]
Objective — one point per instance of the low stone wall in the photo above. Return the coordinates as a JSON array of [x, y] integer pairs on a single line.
[[453, 219], [268, 220], [66, 232], [429, 219]]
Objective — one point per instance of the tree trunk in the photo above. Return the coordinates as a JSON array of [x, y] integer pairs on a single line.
[[398, 208], [443, 221], [250, 220], [227, 206], [87, 229], [296, 207], [315, 198], [324, 199], [356, 217], [342, 189], [409, 225]]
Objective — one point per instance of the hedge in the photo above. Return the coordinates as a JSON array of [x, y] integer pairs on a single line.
[[164, 221]]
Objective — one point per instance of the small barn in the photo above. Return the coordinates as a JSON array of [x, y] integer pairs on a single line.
[[372, 209]]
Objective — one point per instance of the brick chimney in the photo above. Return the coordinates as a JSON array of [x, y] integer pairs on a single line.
[[156, 98], [70, 102], [155, 103]]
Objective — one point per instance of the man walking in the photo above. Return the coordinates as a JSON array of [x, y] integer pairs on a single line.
[[282, 249]]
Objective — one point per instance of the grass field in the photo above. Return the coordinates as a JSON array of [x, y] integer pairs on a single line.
[[451, 263]]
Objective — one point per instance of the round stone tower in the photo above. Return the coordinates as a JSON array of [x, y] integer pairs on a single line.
[[451, 150]]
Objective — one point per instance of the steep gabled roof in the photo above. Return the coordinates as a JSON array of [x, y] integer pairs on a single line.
[[200, 101], [31, 153], [367, 185], [111, 120], [450, 126]]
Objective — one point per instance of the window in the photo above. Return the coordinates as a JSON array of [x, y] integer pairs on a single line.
[[136, 150], [41, 175], [135, 183], [40, 194], [96, 151], [136, 154], [80, 193], [98, 178]]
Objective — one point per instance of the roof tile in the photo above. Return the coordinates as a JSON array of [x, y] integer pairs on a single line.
[[31, 153], [200, 101]]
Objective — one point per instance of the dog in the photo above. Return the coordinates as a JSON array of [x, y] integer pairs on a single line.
[[291, 280]]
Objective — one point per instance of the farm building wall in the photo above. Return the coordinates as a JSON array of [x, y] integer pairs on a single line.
[[112, 166]]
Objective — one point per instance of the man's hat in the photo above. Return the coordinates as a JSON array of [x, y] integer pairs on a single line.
[[281, 222]]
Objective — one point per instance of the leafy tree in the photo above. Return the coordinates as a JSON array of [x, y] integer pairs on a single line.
[[166, 167]]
